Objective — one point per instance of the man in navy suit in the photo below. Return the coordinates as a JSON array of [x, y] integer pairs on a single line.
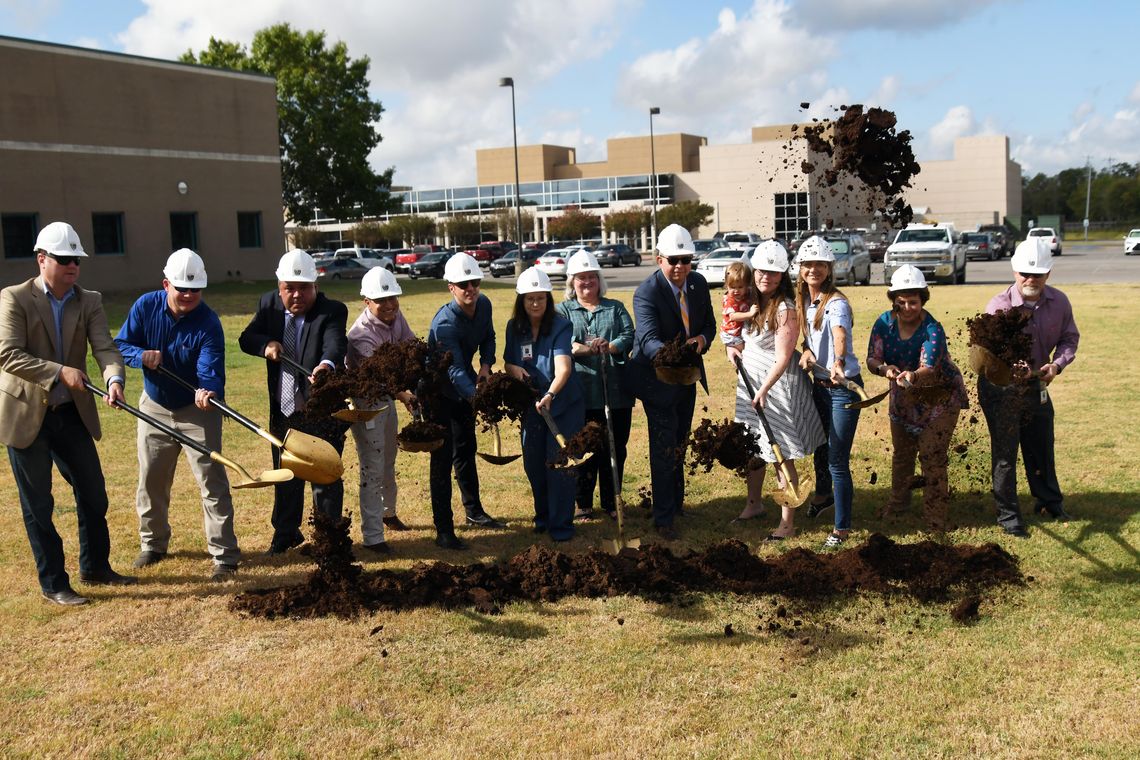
[[672, 301], [308, 327]]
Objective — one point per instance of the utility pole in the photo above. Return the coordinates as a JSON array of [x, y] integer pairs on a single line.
[[1088, 197]]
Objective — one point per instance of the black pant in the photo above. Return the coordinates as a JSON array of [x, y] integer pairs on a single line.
[[597, 468], [669, 426], [63, 439], [1016, 416], [289, 497], [457, 453]]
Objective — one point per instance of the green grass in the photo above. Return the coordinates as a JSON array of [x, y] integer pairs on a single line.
[[163, 669]]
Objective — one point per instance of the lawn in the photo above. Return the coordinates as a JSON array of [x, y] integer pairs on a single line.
[[164, 669]]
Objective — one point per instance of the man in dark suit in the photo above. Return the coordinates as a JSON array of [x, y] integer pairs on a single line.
[[298, 322], [670, 302], [46, 413]]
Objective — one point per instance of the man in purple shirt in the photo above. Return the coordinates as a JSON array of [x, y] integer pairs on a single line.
[[1021, 413]]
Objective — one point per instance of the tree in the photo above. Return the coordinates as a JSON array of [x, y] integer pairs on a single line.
[[573, 224], [367, 234], [413, 228], [465, 229], [506, 224], [325, 120], [628, 223], [688, 214], [308, 238]]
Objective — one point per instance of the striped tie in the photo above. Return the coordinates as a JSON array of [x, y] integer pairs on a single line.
[[684, 310], [288, 381]]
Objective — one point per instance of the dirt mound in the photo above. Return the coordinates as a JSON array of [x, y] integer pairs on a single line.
[[727, 443], [926, 571]]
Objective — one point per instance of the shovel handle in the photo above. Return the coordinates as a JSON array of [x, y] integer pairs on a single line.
[[295, 365], [553, 427], [759, 411], [180, 437], [224, 408]]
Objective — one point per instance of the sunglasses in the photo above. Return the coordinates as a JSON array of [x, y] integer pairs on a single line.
[[468, 284], [678, 261], [65, 261], [187, 290], [1028, 275]]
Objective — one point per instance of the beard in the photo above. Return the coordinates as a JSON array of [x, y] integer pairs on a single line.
[[1031, 291]]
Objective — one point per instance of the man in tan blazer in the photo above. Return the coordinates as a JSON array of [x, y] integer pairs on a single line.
[[47, 414]]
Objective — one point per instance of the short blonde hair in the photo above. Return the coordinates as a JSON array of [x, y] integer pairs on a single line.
[[570, 295], [737, 275]]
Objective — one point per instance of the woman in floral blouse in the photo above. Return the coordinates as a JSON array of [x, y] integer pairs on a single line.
[[908, 347]]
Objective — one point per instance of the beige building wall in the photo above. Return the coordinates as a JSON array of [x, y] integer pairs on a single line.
[[980, 185], [84, 132], [671, 154]]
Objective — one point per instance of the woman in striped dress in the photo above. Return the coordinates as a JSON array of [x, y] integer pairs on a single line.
[[769, 352]]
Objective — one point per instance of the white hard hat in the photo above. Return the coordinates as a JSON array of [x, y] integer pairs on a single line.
[[907, 277], [770, 256], [297, 266], [582, 261], [379, 283], [815, 248], [185, 269], [675, 240], [462, 267], [59, 238], [1032, 256], [533, 280]]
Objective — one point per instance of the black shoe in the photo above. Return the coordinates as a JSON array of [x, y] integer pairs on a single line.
[[484, 520], [148, 557], [667, 532], [284, 546], [108, 578], [449, 541], [1017, 531], [814, 510], [223, 573], [1060, 515], [380, 547], [66, 598], [395, 523], [583, 515]]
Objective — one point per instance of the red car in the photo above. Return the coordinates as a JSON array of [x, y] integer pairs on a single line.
[[406, 257]]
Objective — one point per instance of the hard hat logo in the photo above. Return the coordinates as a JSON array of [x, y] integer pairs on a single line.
[[384, 287], [296, 271], [73, 246]]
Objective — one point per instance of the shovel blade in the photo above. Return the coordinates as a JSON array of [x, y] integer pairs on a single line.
[[266, 479], [572, 463], [791, 496], [501, 459], [864, 403], [311, 458]]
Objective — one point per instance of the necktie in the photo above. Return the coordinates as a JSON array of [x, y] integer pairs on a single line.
[[288, 381], [684, 310]]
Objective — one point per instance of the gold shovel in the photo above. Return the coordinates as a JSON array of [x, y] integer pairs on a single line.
[[498, 457], [245, 479], [614, 546], [570, 462]]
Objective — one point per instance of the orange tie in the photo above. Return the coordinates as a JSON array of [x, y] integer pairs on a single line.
[[684, 310]]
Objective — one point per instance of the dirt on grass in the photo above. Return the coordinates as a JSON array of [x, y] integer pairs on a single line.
[[926, 571]]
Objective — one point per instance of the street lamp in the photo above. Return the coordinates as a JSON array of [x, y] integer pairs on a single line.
[[653, 179], [509, 82]]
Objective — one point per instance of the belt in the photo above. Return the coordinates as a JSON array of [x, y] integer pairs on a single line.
[[60, 407]]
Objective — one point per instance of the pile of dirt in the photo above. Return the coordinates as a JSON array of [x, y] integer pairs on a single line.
[[926, 571], [589, 440], [866, 145], [727, 443], [677, 353], [1003, 334], [501, 397], [420, 431]]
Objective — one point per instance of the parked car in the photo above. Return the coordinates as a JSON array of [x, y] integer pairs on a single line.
[[406, 258], [935, 249], [877, 243], [554, 262], [981, 245], [740, 239], [504, 266], [705, 246], [369, 257], [480, 254], [1005, 237], [1048, 232], [617, 254], [430, 265], [1132, 243], [712, 266], [852, 260], [340, 269], [497, 248]]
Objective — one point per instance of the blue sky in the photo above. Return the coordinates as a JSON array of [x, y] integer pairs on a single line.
[[1059, 78]]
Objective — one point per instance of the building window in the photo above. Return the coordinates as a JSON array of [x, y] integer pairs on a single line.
[[184, 231], [249, 229], [107, 229], [19, 232], [792, 214]]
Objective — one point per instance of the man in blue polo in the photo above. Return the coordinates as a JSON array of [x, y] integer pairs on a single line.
[[462, 326], [172, 328]]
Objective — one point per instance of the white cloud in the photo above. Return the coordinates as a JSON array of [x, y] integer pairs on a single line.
[[1134, 96], [958, 122], [25, 17], [1116, 137], [926, 15], [886, 92]]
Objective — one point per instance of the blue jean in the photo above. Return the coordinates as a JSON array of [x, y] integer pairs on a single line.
[[63, 439], [553, 490], [833, 458]]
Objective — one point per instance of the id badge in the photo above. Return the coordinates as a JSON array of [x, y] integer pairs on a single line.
[[527, 351]]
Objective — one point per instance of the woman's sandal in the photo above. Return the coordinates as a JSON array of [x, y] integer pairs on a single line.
[[833, 541], [776, 537]]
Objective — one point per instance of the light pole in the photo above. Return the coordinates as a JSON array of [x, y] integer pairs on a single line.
[[653, 178], [1088, 198], [509, 82]]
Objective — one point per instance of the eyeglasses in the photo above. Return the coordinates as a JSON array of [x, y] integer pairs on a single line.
[[1028, 275], [468, 284], [678, 261], [187, 290], [65, 261]]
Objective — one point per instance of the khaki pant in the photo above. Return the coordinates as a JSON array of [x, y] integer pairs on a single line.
[[932, 446], [158, 458], [376, 450]]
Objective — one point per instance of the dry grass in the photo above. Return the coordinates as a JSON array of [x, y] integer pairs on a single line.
[[163, 669]]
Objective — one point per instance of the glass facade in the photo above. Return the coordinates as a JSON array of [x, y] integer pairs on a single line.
[[792, 214]]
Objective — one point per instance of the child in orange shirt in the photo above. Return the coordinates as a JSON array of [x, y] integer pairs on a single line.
[[737, 307]]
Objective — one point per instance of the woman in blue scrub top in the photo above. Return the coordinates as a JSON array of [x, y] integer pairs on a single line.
[[539, 351]]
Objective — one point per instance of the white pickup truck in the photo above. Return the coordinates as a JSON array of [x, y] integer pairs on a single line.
[[935, 249]]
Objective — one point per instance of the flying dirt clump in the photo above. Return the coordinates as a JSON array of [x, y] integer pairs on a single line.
[[677, 353], [589, 440], [866, 145], [501, 397], [1002, 334], [727, 443]]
